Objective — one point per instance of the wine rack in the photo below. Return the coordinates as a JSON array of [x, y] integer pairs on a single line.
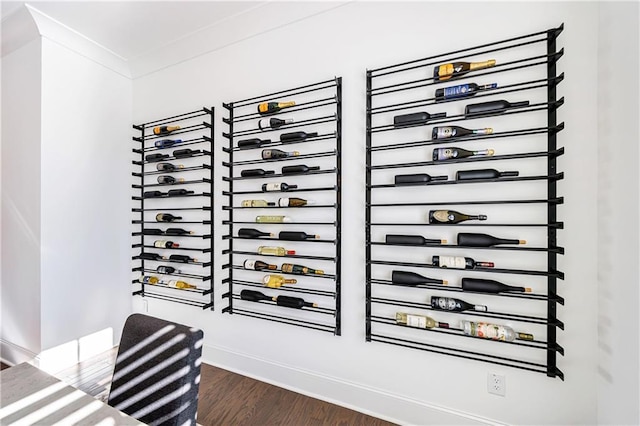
[[194, 174], [525, 140], [317, 113]]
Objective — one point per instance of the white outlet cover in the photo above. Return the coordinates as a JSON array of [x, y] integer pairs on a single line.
[[496, 384]]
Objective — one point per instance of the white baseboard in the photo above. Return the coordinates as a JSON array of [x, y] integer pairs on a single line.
[[12, 354], [368, 400]]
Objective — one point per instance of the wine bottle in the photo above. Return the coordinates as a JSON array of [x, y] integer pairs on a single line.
[[254, 296], [291, 268], [255, 172], [257, 203], [442, 154], [152, 231], [451, 304], [483, 174], [151, 256], [165, 244], [276, 281], [164, 130], [296, 236], [180, 284], [266, 108], [492, 331], [278, 153], [472, 239], [411, 240], [257, 265], [300, 168], [456, 69], [184, 153], [294, 302], [177, 231], [253, 233], [165, 167], [294, 136], [452, 216], [419, 321], [152, 158], [447, 132], [275, 251], [416, 179], [273, 123], [182, 258], [269, 187], [169, 180], [153, 194], [166, 217], [492, 107], [490, 286], [166, 143], [179, 192], [273, 219], [415, 118], [148, 279], [404, 277], [459, 262], [163, 269], [252, 143], [462, 90], [294, 202]]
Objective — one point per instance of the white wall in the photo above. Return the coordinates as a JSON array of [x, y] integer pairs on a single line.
[[401, 384], [618, 135], [20, 316]]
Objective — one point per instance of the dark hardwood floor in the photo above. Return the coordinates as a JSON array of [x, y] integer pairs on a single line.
[[230, 399]]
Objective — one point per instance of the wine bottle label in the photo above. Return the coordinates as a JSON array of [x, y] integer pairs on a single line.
[[446, 153], [488, 331], [249, 264], [459, 91], [443, 216], [444, 132], [416, 321], [447, 304], [159, 243], [272, 187], [456, 262]]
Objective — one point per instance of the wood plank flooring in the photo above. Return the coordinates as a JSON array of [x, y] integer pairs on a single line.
[[228, 398]]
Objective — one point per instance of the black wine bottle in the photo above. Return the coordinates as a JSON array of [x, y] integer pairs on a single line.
[[267, 108], [151, 256], [462, 91], [452, 153], [258, 265], [153, 194], [457, 305], [254, 296], [269, 187], [273, 123], [451, 216], [177, 231], [492, 107], [411, 240], [153, 158], [163, 269], [252, 143], [182, 258], [294, 302], [277, 153], [483, 174], [447, 132], [471, 239], [169, 180], [490, 286], [184, 153], [415, 118], [179, 192], [299, 169], [294, 136], [417, 179], [404, 277], [168, 167], [166, 143], [253, 233], [152, 231], [457, 69], [459, 262], [296, 236], [255, 172], [166, 217], [164, 130]]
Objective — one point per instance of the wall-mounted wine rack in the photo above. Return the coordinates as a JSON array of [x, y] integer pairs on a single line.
[[317, 114], [183, 274], [525, 141]]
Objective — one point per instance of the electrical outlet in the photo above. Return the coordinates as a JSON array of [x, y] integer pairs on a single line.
[[496, 384]]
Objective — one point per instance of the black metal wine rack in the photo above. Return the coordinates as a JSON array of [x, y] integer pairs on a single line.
[[318, 111], [193, 172], [525, 68]]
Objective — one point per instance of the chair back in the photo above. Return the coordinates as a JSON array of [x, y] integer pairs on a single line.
[[157, 372]]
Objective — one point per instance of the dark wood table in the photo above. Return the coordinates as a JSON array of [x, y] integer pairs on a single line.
[[29, 396]]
